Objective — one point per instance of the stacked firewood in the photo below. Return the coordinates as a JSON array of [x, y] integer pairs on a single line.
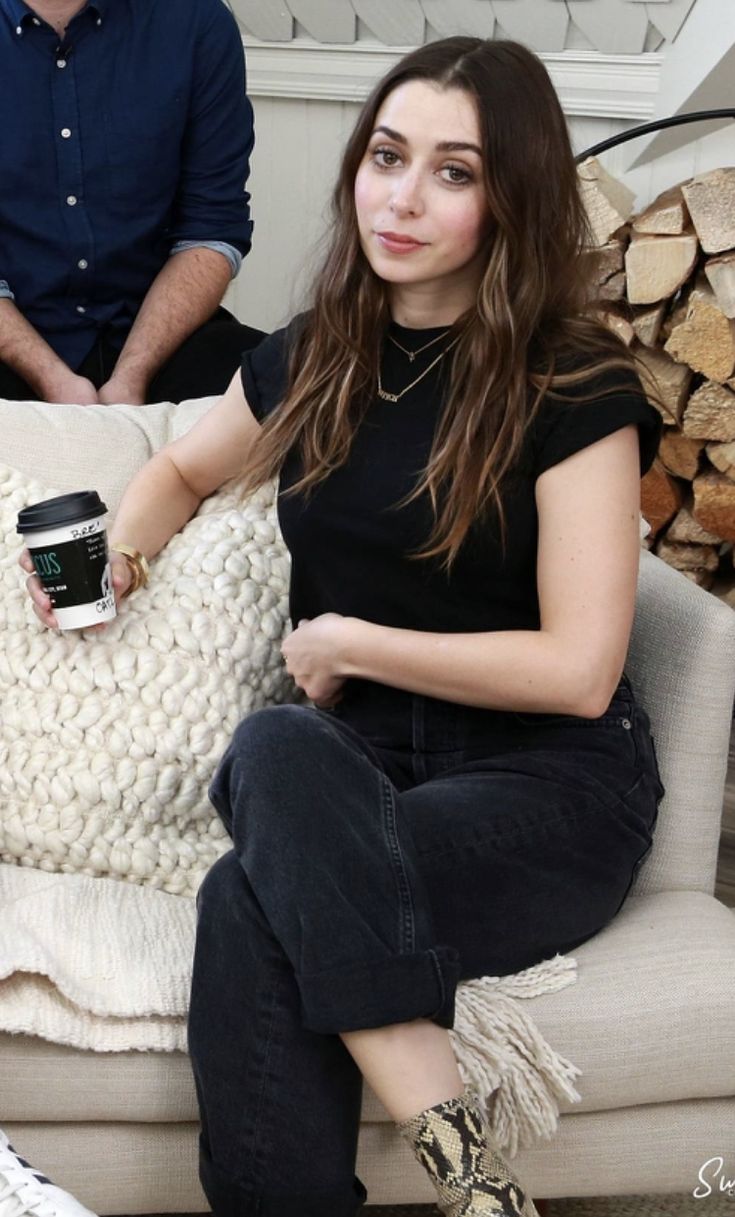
[[666, 280]]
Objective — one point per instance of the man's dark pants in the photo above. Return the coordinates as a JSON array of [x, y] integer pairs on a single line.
[[203, 365]]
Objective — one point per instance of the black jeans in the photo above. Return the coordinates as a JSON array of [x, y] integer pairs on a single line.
[[383, 851], [203, 365]]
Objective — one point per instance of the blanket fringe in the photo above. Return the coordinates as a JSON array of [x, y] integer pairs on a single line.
[[502, 1054]]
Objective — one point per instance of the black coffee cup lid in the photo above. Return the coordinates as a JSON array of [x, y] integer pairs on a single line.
[[64, 509]]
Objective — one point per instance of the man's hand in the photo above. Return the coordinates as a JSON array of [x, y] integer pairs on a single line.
[[314, 656], [121, 390], [67, 388], [183, 295], [24, 350]]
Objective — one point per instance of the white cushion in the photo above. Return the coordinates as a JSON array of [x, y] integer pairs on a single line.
[[98, 447]]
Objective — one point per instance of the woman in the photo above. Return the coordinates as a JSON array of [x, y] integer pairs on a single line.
[[459, 451]]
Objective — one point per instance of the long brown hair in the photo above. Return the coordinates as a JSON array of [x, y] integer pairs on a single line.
[[529, 311]]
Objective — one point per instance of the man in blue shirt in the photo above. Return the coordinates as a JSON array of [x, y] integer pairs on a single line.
[[124, 154]]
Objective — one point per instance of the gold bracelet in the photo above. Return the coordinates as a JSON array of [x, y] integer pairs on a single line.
[[137, 564]]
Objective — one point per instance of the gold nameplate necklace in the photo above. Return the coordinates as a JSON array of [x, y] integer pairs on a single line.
[[382, 393]]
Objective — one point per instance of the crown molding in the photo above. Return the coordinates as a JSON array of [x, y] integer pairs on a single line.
[[589, 83]]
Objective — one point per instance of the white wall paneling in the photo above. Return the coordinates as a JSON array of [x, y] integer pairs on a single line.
[[297, 150]]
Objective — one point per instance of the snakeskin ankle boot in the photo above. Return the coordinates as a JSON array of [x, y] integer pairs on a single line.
[[451, 1142]]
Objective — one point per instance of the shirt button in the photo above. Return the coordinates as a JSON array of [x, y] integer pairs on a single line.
[[82, 263], [81, 308], [61, 63], [65, 133], [19, 29], [71, 200], [36, 21], [626, 723], [99, 21]]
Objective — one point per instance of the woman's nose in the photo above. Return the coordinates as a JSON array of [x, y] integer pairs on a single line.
[[407, 196]]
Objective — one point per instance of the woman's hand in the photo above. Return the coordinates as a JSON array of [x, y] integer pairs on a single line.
[[121, 579], [314, 655]]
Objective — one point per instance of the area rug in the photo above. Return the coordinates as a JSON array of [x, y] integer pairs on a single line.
[[643, 1206], [713, 1205], [592, 1206]]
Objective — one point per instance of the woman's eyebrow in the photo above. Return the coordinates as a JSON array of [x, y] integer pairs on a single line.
[[446, 145], [451, 145], [394, 135]]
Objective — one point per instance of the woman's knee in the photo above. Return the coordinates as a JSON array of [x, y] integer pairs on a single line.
[[272, 730], [265, 764], [279, 751], [284, 764], [262, 744]]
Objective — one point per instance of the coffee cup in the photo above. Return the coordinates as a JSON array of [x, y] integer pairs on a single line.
[[67, 541]]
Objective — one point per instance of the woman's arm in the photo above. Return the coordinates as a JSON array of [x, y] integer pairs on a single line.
[[589, 544], [166, 492], [169, 488]]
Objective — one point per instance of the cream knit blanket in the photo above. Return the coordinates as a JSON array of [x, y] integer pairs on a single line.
[[106, 965]]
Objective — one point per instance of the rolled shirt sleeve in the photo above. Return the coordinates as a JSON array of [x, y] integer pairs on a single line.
[[212, 204], [264, 369], [5, 292], [233, 256], [615, 400]]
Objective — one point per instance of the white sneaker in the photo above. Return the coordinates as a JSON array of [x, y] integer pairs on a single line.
[[25, 1192]]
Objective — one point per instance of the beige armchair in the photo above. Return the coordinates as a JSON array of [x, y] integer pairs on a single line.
[[649, 1020]]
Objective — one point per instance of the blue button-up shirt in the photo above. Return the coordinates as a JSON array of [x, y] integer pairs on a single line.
[[126, 141]]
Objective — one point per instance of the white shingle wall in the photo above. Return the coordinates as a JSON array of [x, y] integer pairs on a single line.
[[611, 26]]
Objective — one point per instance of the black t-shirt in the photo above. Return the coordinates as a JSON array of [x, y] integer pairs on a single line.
[[349, 544]]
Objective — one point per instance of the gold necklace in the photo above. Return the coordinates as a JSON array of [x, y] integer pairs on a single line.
[[397, 396], [412, 354]]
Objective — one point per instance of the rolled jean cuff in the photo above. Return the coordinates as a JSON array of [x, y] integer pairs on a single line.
[[376, 994], [228, 1199]]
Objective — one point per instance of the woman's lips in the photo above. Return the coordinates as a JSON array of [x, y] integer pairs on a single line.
[[397, 244]]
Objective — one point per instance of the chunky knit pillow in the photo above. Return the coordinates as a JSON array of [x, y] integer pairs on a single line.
[[108, 740]]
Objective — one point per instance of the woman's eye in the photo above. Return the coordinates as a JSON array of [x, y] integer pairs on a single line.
[[457, 174], [385, 158]]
